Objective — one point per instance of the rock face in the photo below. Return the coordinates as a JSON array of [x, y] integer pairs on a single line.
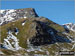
[[46, 35], [13, 14], [33, 35]]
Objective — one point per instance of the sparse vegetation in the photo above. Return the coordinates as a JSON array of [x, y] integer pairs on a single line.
[[35, 29]]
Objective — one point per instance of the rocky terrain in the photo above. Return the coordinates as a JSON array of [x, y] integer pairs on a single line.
[[24, 33], [13, 14], [69, 26]]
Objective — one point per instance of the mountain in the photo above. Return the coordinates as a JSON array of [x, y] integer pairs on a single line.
[[33, 35]]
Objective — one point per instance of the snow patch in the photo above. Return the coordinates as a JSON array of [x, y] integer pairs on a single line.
[[11, 42], [7, 15], [73, 46], [23, 23], [1, 11], [25, 17], [69, 26], [1, 52], [10, 11]]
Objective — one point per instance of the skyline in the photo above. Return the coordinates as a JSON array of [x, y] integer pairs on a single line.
[[53, 10]]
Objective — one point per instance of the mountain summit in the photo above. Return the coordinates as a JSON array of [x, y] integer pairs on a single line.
[[14, 14], [24, 33]]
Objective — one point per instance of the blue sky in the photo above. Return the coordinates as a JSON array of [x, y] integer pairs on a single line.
[[60, 12]]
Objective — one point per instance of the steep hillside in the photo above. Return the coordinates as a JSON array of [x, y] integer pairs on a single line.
[[34, 36]]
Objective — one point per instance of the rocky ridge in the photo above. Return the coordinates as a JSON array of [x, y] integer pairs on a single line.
[[14, 14]]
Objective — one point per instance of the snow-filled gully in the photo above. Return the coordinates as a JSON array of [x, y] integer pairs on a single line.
[[11, 42]]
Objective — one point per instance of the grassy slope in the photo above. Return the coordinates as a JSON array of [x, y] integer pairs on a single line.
[[25, 32]]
